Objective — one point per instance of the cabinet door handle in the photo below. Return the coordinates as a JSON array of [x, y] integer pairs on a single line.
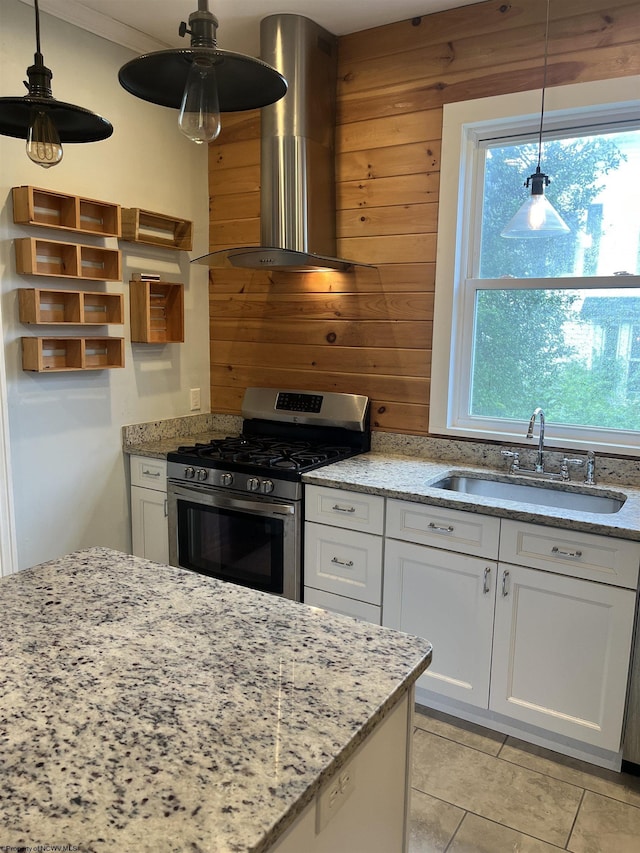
[[343, 508], [346, 563], [505, 583], [147, 473], [560, 553], [166, 507], [436, 529], [485, 580]]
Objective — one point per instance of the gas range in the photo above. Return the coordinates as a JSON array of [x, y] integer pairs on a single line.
[[284, 434], [235, 504]]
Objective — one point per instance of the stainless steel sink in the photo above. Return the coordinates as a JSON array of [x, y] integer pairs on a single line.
[[538, 493]]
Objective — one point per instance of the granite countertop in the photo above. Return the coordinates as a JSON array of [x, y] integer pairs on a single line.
[[409, 478], [148, 708]]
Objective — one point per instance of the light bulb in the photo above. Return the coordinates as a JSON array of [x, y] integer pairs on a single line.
[[43, 143], [199, 117]]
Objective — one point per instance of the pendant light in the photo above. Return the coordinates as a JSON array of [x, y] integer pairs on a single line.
[[44, 122], [202, 81], [537, 217]]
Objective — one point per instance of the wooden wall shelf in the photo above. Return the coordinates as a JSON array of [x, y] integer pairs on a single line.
[[157, 312], [55, 355], [42, 307], [67, 260], [33, 206], [156, 229]]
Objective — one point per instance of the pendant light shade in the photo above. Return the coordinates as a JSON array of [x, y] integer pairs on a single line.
[[202, 81], [537, 217], [44, 122]]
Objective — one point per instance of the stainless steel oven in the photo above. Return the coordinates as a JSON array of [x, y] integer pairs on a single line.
[[235, 504], [235, 537]]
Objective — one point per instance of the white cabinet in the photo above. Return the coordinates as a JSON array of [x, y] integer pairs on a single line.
[[448, 599], [561, 651], [343, 552], [149, 528], [546, 644]]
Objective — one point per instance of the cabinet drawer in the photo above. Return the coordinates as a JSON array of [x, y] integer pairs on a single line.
[[149, 472], [353, 510], [340, 604], [466, 532], [344, 562], [571, 552]]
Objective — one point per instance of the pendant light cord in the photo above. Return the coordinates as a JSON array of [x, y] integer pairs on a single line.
[[37, 8], [544, 82]]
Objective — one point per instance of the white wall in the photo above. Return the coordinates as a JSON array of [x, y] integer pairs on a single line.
[[69, 475]]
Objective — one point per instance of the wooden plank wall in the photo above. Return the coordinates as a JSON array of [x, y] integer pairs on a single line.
[[370, 332]]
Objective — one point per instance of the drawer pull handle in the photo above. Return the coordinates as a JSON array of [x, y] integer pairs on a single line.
[[436, 529], [346, 563], [485, 581], [505, 586], [343, 508], [560, 553], [147, 473]]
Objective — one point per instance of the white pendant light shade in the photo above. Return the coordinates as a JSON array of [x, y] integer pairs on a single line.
[[537, 217]]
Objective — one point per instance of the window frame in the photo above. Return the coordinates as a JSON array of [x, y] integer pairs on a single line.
[[465, 124]]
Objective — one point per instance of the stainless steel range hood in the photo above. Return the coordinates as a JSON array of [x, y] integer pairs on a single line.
[[298, 204]]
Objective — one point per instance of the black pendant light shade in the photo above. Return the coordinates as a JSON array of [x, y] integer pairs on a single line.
[[73, 124], [243, 82]]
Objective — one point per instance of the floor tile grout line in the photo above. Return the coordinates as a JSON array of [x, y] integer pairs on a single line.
[[455, 832], [575, 818]]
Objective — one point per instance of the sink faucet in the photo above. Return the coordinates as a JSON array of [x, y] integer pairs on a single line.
[[537, 412]]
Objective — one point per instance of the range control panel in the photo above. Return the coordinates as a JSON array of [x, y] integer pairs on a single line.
[[297, 402]]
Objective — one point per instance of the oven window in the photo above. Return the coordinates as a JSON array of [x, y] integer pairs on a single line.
[[232, 545]]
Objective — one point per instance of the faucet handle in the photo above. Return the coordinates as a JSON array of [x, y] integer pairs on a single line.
[[515, 464], [564, 467], [590, 473]]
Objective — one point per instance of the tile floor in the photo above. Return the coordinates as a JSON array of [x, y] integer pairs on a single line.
[[477, 791]]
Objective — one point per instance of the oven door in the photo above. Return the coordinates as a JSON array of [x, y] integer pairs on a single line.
[[255, 543]]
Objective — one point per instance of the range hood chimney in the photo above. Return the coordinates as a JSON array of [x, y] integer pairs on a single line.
[[298, 205]]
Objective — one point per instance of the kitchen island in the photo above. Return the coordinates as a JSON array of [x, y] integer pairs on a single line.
[[146, 707]]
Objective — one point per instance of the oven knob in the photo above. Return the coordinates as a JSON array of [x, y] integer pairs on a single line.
[[253, 484], [202, 473], [189, 473], [267, 486], [226, 480]]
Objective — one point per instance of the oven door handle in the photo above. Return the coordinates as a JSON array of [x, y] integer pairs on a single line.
[[205, 496]]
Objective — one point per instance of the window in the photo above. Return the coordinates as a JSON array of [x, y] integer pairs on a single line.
[[551, 322]]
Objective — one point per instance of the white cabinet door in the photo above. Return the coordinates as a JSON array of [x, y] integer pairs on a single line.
[[149, 529], [561, 654], [447, 598]]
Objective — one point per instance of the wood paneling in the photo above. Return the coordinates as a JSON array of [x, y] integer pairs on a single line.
[[369, 331]]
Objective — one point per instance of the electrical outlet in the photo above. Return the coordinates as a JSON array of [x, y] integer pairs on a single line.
[[334, 796], [194, 399]]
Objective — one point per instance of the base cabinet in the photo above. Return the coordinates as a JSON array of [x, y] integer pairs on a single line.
[[547, 647], [343, 552], [149, 527]]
